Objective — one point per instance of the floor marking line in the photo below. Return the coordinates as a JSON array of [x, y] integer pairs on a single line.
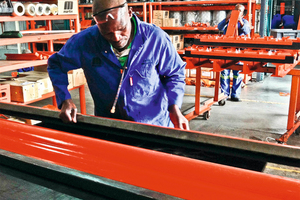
[[280, 169]]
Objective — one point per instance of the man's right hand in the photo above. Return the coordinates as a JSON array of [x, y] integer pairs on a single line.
[[68, 112]]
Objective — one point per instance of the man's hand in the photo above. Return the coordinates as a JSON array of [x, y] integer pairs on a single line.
[[177, 118], [68, 111], [241, 20]]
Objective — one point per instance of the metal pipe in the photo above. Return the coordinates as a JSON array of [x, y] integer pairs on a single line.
[[263, 10]]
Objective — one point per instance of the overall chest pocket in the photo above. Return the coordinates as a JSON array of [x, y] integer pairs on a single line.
[[145, 80], [146, 69]]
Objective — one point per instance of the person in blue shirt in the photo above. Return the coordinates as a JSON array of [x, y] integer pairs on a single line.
[[243, 29], [132, 69]]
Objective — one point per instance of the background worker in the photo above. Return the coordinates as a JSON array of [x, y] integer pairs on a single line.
[[243, 29], [132, 69]]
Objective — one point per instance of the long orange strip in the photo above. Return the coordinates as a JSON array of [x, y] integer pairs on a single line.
[[165, 173]]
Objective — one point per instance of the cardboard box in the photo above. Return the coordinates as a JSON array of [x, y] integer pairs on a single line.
[[67, 7], [173, 22], [181, 38], [181, 45], [78, 77], [176, 38], [5, 93], [165, 22], [192, 73], [158, 22], [160, 14], [178, 45], [44, 84], [187, 73], [23, 91], [70, 80], [206, 73], [41, 78]]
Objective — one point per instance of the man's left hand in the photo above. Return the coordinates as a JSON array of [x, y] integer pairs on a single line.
[[177, 118]]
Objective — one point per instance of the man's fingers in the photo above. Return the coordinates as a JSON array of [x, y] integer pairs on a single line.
[[65, 117], [69, 116], [186, 126], [73, 115]]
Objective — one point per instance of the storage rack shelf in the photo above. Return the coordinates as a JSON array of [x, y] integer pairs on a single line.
[[250, 6], [8, 65], [34, 38], [39, 18]]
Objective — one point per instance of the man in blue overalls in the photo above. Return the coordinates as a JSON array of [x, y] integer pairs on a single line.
[[132, 69], [243, 29]]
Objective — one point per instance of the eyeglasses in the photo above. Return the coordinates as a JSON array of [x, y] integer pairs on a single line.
[[114, 13]]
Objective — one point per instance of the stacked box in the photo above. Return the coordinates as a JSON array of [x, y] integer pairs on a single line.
[[77, 77], [159, 17], [177, 46], [206, 73], [5, 93], [176, 38], [41, 78], [160, 14], [158, 22], [32, 85], [178, 41], [22, 91], [67, 7], [192, 73], [171, 22]]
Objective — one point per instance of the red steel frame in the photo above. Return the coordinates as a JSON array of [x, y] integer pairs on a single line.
[[232, 25], [196, 63], [293, 122], [280, 70], [166, 173], [218, 65]]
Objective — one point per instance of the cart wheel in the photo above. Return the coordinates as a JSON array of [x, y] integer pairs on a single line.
[[206, 115], [222, 102]]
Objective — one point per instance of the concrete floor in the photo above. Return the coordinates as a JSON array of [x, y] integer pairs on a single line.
[[261, 115]]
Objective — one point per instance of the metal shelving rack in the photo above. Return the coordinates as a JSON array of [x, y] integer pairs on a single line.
[[8, 65], [203, 6]]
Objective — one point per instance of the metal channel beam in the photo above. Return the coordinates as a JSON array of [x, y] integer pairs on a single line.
[[225, 149], [73, 180], [287, 59], [243, 44]]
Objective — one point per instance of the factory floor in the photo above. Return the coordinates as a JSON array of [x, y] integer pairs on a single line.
[[261, 115]]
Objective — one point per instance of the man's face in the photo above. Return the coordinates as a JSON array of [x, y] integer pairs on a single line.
[[115, 26]]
